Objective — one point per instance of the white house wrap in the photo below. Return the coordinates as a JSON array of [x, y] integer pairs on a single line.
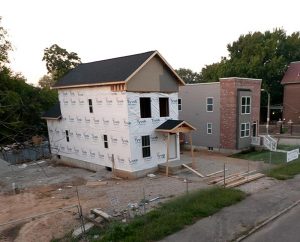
[[99, 122]]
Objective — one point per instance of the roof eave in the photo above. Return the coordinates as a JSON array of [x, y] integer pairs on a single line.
[[290, 82], [89, 85], [51, 118]]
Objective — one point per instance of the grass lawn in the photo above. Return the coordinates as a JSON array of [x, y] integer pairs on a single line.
[[170, 217], [283, 171], [264, 155], [287, 147], [286, 171]]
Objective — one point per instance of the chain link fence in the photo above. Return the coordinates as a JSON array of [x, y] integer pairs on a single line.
[[19, 153]]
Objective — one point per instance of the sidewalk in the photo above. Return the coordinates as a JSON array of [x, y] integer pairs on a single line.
[[232, 221]]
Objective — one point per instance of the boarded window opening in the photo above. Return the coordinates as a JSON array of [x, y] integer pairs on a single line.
[[91, 105], [146, 146], [164, 106], [105, 141], [145, 107], [67, 136]]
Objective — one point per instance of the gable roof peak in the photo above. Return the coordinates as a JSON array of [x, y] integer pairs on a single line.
[[113, 70], [292, 74]]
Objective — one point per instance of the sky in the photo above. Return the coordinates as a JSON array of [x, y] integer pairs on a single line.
[[189, 33]]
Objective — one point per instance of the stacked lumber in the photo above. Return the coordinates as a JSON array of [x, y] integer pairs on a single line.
[[236, 179], [245, 179]]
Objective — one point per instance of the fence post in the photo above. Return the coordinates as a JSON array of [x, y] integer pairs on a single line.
[[224, 174]]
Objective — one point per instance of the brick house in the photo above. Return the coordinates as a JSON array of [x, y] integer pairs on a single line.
[[225, 113], [291, 94], [116, 113]]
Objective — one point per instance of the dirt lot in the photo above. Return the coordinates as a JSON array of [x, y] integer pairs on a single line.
[[44, 187]]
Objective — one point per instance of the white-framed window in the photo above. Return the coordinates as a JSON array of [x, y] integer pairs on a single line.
[[105, 140], [209, 104], [146, 146], [91, 106], [209, 128], [179, 104], [245, 130], [246, 104]]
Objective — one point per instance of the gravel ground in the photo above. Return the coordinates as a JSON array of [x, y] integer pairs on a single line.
[[45, 186]]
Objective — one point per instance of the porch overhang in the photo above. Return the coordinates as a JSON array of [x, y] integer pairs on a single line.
[[175, 126], [54, 113]]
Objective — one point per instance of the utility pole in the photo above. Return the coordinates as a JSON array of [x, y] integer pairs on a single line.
[[268, 110], [268, 113]]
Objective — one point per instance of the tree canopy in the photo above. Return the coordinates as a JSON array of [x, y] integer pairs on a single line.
[[59, 61], [21, 104], [5, 45], [188, 75], [258, 55], [46, 81]]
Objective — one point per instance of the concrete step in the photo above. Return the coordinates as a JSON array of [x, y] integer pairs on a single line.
[[175, 167]]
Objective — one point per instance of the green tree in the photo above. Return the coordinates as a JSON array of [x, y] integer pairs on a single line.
[[21, 107], [59, 61], [21, 104], [188, 75], [258, 55], [5, 45], [46, 81]]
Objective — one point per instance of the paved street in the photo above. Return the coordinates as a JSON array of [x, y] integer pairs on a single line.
[[285, 228], [232, 221]]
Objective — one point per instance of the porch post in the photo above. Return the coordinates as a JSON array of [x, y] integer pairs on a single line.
[[192, 151], [168, 144]]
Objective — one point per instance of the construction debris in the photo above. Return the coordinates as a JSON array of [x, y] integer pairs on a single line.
[[191, 169], [215, 173], [133, 205], [154, 199], [151, 175], [246, 179], [96, 183], [221, 178], [236, 179], [77, 232], [99, 212], [22, 166]]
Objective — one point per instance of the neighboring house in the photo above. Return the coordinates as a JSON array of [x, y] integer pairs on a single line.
[[225, 113], [117, 113], [291, 95]]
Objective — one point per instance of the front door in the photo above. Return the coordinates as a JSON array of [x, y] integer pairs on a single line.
[[173, 146], [254, 129]]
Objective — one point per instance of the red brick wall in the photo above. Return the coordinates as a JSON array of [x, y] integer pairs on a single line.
[[228, 114], [229, 108], [291, 103]]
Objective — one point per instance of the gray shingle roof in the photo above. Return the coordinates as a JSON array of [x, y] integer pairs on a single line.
[[99, 72], [170, 124], [53, 112]]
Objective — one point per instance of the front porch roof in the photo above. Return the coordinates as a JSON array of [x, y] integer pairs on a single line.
[[53, 113], [175, 126]]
